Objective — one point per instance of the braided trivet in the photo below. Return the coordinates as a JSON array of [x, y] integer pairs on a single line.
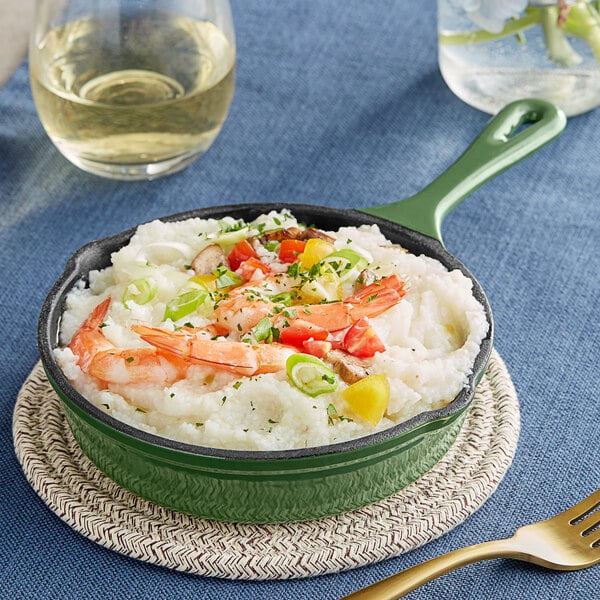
[[108, 514]]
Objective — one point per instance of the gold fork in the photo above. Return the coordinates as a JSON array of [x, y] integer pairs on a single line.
[[566, 542]]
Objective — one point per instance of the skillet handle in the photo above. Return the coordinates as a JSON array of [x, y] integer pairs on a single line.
[[494, 150]]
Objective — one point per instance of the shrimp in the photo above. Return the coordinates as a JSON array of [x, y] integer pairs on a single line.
[[371, 301], [245, 306], [101, 359], [237, 357]]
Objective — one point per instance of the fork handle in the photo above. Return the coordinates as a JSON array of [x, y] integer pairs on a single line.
[[406, 581]]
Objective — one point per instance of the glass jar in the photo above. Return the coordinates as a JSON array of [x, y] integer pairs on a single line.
[[492, 52]]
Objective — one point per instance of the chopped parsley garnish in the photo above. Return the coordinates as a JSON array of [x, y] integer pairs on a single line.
[[130, 359], [226, 277], [262, 330], [225, 228], [284, 298], [332, 415], [294, 270], [237, 385]]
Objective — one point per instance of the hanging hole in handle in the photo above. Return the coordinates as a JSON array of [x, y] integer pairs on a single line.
[[524, 122], [518, 116], [522, 126]]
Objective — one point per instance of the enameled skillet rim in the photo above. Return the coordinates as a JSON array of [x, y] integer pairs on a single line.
[[100, 250]]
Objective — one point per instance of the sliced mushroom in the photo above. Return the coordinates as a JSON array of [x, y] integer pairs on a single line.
[[312, 232], [291, 233], [295, 233], [208, 259], [365, 277], [350, 368]]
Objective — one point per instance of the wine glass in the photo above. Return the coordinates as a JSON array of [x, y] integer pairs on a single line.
[[132, 89]]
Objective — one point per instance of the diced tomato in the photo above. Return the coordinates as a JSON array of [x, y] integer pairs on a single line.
[[297, 331], [361, 340], [249, 266], [289, 250], [241, 252], [318, 348]]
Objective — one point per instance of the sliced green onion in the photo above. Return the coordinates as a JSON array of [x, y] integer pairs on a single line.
[[226, 278], [140, 291], [229, 235], [344, 261], [184, 304], [310, 375]]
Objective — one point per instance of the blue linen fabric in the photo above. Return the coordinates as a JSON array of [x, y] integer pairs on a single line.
[[341, 104]]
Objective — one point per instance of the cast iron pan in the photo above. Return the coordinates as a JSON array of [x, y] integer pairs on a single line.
[[306, 483], [415, 223]]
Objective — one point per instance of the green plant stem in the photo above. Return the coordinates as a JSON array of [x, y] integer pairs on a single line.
[[557, 45], [584, 22], [514, 27]]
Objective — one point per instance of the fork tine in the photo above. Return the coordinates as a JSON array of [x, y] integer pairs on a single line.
[[582, 508], [588, 526]]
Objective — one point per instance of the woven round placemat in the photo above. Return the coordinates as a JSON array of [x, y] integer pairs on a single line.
[[106, 513]]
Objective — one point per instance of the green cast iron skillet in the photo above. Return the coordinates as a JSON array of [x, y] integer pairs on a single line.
[[308, 483]]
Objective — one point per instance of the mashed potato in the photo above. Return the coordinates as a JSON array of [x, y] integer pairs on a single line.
[[428, 339]]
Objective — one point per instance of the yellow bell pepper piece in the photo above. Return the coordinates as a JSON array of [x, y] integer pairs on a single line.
[[314, 251], [369, 397], [207, 282]]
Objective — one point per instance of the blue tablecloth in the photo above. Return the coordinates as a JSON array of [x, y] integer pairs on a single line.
[[342, 104]]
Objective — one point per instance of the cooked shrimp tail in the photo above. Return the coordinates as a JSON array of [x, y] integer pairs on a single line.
[[371, 301], [89, 339], [101, 359], [236, 357]]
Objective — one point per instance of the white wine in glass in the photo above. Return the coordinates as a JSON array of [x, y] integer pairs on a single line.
[[132, 89]]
